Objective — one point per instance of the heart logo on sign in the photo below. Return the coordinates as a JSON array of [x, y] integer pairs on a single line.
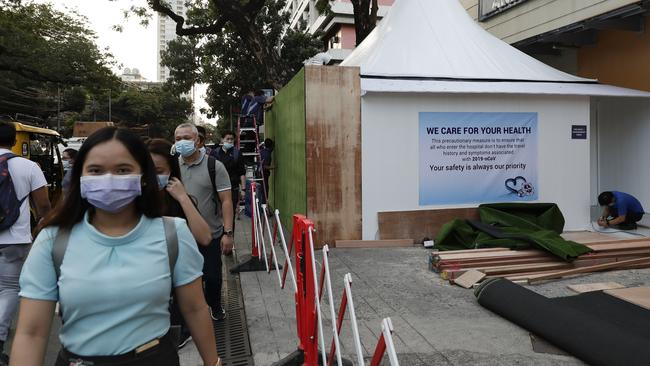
[[519, 186]]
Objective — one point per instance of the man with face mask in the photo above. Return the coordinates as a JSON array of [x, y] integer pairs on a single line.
[[230, 156], [67, 160], [207, 180]]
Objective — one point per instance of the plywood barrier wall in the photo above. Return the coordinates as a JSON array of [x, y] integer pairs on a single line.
[[333, 152], [420, 224], [285, 124]]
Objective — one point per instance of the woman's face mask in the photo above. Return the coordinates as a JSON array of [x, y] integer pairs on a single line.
[[163, 180], [109, 192]]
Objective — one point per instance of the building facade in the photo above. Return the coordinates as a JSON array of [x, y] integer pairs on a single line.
[[167, 32], [337, 26], [605, 40]]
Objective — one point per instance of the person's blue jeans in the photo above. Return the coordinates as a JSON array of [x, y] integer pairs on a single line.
[[12, 258]]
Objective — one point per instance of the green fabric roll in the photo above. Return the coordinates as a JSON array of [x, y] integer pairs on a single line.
[[514, 226]]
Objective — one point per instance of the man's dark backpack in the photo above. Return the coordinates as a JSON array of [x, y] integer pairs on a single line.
[[9, 202]]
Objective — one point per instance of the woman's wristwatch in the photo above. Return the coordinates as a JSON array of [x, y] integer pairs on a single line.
[[228, 233]]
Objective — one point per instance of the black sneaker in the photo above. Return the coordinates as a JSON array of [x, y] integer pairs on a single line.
[[219, 314], [185, 338]]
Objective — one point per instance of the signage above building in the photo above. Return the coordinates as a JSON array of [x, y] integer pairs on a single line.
[[489, 8]]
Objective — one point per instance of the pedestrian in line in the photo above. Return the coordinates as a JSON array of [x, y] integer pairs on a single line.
[[67, 160], [116, 267], [266, 155], [206, 179], [232, 159], [177, 203], [201, 143], [26, 184]]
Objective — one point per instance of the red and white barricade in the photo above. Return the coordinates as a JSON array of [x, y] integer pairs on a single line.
[[309, 286]]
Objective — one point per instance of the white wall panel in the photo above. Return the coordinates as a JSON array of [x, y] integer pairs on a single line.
[[390, 150]]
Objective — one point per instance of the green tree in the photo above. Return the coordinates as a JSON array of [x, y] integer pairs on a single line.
[[234, 46], [154, 112], [45, 54]]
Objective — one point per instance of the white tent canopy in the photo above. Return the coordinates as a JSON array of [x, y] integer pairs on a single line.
[[438, 39], [434, 45]]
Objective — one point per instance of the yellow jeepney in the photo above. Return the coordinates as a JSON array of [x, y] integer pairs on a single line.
[[40, 146]]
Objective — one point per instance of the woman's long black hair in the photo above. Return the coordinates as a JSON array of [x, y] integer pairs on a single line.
[[72, 209], [163, 148]]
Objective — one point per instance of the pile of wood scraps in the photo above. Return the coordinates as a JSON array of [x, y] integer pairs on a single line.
[[534, 265]]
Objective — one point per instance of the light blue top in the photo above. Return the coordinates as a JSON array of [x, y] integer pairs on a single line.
[[113, 291]]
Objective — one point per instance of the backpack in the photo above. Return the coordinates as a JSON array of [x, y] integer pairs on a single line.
[[63, 236], [9, 202]]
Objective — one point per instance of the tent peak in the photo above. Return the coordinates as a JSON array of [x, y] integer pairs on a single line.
[[438, 39]]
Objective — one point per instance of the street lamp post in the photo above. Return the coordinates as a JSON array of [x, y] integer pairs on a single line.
[[58, 109]]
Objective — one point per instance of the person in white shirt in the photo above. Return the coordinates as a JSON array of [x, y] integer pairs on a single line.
[[29, 184]]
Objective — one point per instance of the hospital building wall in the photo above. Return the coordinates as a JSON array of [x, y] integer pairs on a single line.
[[389, 135]]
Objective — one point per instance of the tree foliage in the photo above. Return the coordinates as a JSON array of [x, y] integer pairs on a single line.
[[45, 54], [234, 46], [153, 112]]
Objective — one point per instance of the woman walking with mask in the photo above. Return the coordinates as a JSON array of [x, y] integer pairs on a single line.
[[115, 278], [177, 203]]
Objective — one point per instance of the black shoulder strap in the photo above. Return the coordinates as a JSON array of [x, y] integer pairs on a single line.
[[171, 237], [58, 249], [212, 171]]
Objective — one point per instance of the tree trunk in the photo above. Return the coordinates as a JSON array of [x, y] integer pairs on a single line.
[[365, 18]]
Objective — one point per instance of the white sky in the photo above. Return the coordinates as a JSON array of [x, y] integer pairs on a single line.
[[135, 46]]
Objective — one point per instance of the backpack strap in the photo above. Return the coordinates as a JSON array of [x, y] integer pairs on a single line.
[[171, 237], [58, 249], [7, 156], [212, 171]]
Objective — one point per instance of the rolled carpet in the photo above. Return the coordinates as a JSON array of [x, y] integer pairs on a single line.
[[594, 327]]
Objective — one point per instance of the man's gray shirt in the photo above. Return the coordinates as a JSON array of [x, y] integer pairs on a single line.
[[197, 182]]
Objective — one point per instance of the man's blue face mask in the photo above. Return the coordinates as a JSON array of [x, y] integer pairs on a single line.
[[185, 147]]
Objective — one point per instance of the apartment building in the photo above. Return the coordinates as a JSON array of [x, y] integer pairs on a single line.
[[166, 32], [337, 26], [606, 40]]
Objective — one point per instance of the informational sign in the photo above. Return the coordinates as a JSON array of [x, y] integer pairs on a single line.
[[579, 132], [490, 8], [477, 157]]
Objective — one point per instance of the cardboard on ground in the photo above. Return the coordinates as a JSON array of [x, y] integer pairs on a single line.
[[469, 278], [588, 287], [636, 295]]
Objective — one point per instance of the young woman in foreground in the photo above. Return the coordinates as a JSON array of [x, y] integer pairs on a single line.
[[115, 277]]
